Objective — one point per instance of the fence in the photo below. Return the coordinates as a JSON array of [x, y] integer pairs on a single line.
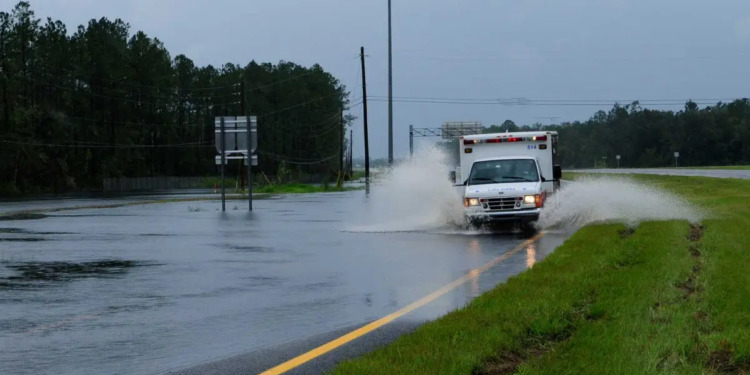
[[150, 183]]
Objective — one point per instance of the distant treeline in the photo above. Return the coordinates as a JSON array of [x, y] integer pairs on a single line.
[[714, 135], [99, 102]]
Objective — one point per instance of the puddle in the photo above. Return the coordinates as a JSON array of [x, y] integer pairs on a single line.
[[24, 231], [28, 233], [246, 248], [22, 239], [15, 325], [29, 273], [22, 216]]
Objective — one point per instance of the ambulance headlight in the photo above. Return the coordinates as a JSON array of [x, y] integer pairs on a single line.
[[529, 199], [471, 202]]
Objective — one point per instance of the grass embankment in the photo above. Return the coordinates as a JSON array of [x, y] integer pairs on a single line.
[[667, 297], [276, 188], [733, 167], [293, 188]]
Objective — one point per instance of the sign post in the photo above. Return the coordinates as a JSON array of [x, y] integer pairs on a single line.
[[223, 152], [618, 161], [232, 146], [676, 156]]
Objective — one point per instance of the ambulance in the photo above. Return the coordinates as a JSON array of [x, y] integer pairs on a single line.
[[506, 177]]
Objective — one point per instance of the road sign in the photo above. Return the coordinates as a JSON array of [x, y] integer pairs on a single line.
[[235, 130], [455, 129], [236, 137], [238, 157], [677, 154], [618, 157]]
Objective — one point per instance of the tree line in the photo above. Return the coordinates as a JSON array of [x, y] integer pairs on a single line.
[[97, 102], [713, 135]]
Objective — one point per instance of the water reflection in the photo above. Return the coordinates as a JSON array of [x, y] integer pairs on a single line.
[[531, 255], [474, 286], [475, 246]]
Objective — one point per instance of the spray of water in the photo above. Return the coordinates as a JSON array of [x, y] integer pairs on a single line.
[[615, 199], [415, 195]]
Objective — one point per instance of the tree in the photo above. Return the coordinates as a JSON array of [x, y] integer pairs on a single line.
[[506, 126], [105, 102]]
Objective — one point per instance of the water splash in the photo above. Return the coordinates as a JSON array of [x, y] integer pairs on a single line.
[[415, 195], [619, 199]]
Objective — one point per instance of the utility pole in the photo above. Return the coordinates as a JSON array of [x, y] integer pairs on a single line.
[[351, 150], [390, 90], [364, 113], [341, 149], [411, 140], [249, 165]]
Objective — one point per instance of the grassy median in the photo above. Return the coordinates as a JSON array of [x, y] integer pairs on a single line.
[[668, 297]]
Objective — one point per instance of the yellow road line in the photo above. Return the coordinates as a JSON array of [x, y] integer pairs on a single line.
[[331, 345]]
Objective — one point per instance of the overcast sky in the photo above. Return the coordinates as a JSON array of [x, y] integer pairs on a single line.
[[481, 49]]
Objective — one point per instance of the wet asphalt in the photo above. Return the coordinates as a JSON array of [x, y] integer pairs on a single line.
[[184, 288]]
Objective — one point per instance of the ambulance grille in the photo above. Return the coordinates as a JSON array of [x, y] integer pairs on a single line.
[[501, 204]]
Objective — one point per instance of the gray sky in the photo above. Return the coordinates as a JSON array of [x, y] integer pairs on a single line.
[[480, 49]]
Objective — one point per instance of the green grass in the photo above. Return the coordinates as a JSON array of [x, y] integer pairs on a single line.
[[294, 188], [606, 301], [210, 182], [283, 188], [357, 174]]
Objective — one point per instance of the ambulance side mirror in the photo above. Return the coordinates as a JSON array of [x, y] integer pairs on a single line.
[[557, 172]]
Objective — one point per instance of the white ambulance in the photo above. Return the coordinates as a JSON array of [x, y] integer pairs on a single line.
[[506, 177]]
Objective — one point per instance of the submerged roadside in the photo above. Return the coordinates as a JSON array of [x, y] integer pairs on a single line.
[[662, 297], [95, 201]]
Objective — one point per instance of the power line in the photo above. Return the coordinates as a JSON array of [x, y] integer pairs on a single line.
[[148, 99], [527, 100], [281, 81], [542, 103], [328, 120], [336, 126], [457, 56], [131, 123], [98, 80], [356, 80], [174, 88], [116, 145], [298, 105]]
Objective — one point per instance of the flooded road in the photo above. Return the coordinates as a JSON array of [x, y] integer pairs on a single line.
[[149, 289], [715, 173]]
